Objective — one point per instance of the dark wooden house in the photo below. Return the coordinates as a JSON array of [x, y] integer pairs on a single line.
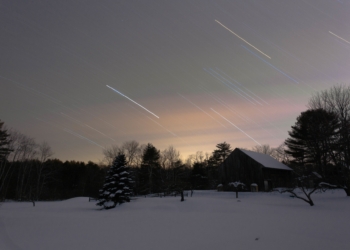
[[251, 167]]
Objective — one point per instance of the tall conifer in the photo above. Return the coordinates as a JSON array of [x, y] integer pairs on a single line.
[[117, 188]]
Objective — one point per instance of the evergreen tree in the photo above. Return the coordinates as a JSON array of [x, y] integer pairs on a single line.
[[199, 176], [149, 175], [314, 139], [117, 187], [221, 153]]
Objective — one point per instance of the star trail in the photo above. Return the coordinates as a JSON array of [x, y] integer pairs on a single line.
[[85, 75]]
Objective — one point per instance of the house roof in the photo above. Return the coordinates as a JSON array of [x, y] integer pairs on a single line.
[[265, 160]]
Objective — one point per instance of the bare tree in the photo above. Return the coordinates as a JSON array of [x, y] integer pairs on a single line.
[[308, 183], [199, 157], [172, 155], [44, 153], [280, 153], [337, 100], [27, 151], [23, 149], [5, 150], [23, 152], [277, 153], [139, 155], [306, 191], [168, 160], [189, 160], [29, 159], [264, 149], [163, 159], [130, 150], [110, 153]]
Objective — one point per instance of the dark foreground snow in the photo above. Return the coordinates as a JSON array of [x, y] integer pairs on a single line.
[[208, 220]]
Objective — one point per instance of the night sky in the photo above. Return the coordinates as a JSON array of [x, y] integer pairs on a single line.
[[83, 75]]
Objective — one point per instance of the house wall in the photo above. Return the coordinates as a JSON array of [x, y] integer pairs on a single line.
[[240, 167], [278, 177]]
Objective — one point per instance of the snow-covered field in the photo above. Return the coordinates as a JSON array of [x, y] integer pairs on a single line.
[[208, 220]]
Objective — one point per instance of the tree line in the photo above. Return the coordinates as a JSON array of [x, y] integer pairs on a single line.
[[156, 171], [28, 171]]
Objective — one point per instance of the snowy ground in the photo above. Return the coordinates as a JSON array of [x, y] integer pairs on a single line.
[[208, 220]]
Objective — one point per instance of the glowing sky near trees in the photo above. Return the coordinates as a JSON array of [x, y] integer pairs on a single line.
[[185, 71]]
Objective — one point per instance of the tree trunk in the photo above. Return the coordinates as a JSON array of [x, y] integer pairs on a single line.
[[307, 194], [182, 195], [310, 201], [347, 191]]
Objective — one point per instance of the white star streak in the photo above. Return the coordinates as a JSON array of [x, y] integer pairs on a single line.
[[36, 92], [274, 67], [229, 86], [71, 132], [240, 85], [202, 110], [71, 118], [82, 137], [236, 126], [339, 37], [132, 101], [163, 127], [96, 117], [160, 125], [226, 80], [221, 102], [82, 124], [251, 45], [97, 131]]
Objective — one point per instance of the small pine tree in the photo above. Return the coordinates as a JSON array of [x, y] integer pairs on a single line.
[[117, 188]]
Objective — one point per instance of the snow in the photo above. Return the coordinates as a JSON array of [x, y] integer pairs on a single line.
[[109, 203], [325, 184], [265, 160], [236, 184], [317, 175], [208, 220]]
